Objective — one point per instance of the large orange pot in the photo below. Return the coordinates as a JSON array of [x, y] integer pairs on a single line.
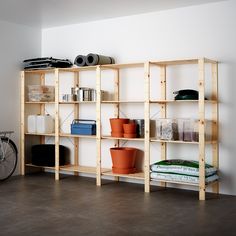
[[123, 158], [117, 124]]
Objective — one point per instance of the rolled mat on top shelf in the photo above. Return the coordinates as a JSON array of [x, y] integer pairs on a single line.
[[95, 59], [80, 60]]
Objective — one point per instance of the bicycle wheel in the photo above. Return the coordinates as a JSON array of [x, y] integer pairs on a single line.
[[8, 161]]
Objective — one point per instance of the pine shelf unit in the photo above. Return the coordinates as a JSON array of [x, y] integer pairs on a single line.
[[97, 169]]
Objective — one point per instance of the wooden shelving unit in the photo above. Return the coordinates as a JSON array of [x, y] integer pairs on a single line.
[[99, 138]]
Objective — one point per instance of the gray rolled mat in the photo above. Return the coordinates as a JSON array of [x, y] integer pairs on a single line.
[[95, 59], [80, 60]]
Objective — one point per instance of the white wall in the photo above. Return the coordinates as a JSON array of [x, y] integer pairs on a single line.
[[17, 42], [191, 32]]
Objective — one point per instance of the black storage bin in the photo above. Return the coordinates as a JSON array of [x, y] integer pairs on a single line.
[[44, 155]]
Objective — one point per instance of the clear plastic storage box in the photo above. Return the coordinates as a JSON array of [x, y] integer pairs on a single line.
[[41, 93], [167, 129], [182, 129], [41, 89]]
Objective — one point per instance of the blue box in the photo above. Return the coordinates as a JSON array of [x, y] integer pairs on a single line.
[[83, 127]]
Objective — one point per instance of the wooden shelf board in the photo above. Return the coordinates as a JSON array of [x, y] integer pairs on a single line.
[[122, 66], [77, 136], [171, 141], [212, 183], [175, 141], [43, 167], [180, 182], [78, 102], [175, 62], [181, 62], [78, 69], [80, 169], [37, 134], [115, 102], [40, 71], [139, 175], [210, 61], [181, 101], [174, 182], [116, 138], [39, 102]]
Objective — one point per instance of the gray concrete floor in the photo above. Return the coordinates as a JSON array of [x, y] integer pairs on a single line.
[[37, 205]]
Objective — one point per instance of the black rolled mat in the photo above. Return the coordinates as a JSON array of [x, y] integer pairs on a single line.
[[95, 59], [80, 60]]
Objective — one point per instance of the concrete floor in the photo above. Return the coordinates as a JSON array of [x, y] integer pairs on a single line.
[[37, 205]]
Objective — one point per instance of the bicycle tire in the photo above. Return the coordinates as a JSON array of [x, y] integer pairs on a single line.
[[14, 154]]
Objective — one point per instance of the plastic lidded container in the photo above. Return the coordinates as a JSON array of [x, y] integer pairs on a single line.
[[41, 93], [167, 129], [41, 97], [41, 89]]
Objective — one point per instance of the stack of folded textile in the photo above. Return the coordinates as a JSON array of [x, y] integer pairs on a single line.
[[178, 170], [46, 63]]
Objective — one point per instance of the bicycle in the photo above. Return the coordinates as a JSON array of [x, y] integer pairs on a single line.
[[8, 155]]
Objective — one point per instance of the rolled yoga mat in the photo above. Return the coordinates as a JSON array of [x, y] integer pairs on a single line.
[[95, 59], [80, 60]]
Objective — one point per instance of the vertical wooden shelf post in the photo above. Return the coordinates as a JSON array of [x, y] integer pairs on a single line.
[[163, 110], [201, 108], [76, 116], [22, 131], [215, 124], [98, 124], [42, 106], [147, 127], [57, 127], [117, 105]]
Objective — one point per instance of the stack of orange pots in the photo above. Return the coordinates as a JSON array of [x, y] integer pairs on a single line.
[[117, 129]]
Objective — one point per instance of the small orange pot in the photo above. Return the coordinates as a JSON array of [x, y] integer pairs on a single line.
[[117, 124], [123, 157], [130, 135], [129, 128], [118, 135]]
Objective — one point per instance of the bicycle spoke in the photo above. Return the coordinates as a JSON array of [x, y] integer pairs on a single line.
[[9, 161]]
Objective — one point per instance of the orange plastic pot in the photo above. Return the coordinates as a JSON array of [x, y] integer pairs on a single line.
[[117, 124], [123, 157], [129, 128], [118, 135], [123, 171], [130, 135]]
